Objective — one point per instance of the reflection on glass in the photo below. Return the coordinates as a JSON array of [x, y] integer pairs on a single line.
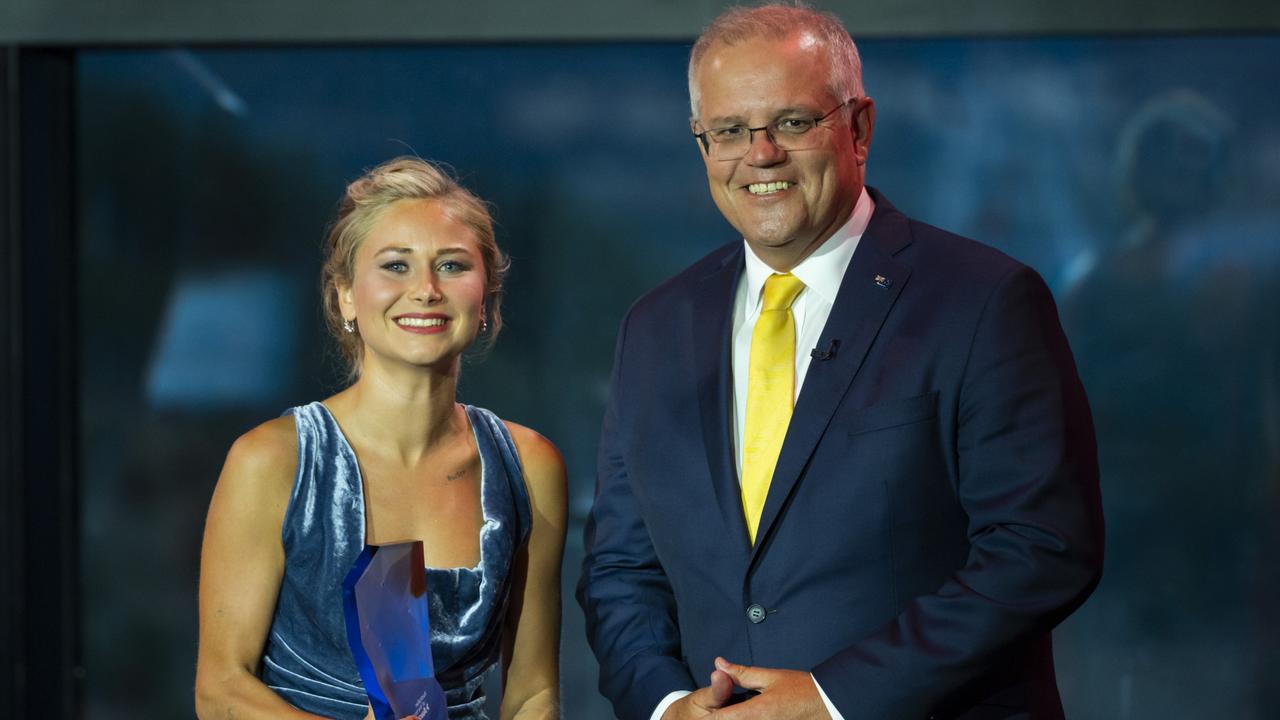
[[221, 343]]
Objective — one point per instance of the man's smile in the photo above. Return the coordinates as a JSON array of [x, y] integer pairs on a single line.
[[765, 188]]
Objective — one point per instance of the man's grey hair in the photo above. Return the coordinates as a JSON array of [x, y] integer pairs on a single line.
[[777, 22]]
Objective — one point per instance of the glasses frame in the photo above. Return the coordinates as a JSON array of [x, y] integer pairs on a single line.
[[768, 130]]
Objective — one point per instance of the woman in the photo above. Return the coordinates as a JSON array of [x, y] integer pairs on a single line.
[[413, 277]]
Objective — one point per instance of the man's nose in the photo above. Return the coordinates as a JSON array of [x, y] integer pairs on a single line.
[[761, 149]]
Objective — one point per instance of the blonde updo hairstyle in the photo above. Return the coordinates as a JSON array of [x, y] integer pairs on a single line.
[[363, 204]]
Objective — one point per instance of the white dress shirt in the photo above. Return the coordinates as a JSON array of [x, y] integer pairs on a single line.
[[821, 273]]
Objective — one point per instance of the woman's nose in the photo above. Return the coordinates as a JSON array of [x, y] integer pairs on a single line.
[[427, 288]]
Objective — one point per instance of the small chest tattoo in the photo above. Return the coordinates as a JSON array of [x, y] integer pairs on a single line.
[[454, 476]]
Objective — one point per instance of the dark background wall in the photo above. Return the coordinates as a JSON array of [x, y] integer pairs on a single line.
[[171, 167], [156, 21]]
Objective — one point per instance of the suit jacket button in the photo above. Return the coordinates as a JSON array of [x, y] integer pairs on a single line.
[[756, 613]]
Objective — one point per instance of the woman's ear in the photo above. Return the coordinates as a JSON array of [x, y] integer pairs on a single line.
[[346, 301]]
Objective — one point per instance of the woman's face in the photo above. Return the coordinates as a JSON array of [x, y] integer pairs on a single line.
[[418, 286]]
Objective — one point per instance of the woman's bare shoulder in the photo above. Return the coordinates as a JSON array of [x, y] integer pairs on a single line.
[[264, 460], [544, 469], [536, 451]]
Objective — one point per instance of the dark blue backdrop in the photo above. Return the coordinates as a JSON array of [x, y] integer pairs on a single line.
[[1140, 176]]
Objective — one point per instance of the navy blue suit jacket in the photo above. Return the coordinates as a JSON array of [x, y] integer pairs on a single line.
[[933, 514]]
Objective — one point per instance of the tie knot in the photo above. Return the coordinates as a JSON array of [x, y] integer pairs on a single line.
[[780, 290]]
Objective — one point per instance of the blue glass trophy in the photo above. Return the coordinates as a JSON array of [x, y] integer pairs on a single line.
[[389, 631]]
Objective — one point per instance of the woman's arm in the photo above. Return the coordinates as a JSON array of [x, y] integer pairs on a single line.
[[241, 566], [531, 657]]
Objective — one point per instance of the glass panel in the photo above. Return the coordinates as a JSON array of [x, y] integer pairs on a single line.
[[1140, 176]]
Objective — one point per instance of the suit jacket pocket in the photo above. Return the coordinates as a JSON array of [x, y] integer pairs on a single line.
[[893, 413]]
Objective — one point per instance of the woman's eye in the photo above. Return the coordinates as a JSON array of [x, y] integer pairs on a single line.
[[395, 266], [452, 266]]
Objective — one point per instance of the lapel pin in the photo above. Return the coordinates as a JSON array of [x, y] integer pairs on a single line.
[[883, 281]]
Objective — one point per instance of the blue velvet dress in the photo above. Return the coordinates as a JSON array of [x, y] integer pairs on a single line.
[[306, 659]]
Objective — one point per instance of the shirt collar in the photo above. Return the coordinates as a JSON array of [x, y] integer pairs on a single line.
[[824, 269]]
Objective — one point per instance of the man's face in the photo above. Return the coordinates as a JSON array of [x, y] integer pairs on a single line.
[[784, 203]]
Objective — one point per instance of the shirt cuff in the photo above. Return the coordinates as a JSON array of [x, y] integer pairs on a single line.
[[670, 699], [831, 709]]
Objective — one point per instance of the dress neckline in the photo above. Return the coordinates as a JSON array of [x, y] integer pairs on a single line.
[[485, 510]]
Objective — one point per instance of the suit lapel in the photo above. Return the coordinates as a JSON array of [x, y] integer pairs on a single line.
[[860, 309], [712, 330]]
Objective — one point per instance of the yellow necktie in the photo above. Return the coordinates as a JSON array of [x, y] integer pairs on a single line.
[[770, 392]]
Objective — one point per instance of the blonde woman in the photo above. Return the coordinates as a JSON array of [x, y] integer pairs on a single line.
[[413, 278]]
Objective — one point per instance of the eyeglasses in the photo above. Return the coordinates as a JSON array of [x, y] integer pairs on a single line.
[[787, 133]]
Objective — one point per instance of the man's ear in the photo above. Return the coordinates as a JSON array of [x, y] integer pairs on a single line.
[[864, 122]]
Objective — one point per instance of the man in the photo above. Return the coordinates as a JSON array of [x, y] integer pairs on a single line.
[[847, 464]]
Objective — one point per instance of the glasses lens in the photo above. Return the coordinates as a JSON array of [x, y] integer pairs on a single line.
[[802, 138], [729, 150]]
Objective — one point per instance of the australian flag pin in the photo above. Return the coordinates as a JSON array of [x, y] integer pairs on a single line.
[[883, 281]]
